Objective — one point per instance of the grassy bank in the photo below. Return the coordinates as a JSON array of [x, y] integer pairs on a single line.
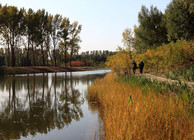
[[37, 69], [185, 74], [133, 111]]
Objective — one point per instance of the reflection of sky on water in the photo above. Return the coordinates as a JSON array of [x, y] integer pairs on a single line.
[[55, 88]]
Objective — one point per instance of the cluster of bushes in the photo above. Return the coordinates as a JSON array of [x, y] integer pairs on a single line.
[[76, 63], [168, 56], [121, 63], [165, 57]]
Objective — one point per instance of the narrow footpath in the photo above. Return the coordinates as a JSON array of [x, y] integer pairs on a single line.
[[162, 79]]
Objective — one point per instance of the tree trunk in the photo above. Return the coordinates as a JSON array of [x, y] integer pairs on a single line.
[[28, 49], [65, 56], [70, 58], [34, 60], [55, 61], [8, 59], [47, 63], [130, 54], [13, 55], [28, 56], [42, 51], [51, 57]]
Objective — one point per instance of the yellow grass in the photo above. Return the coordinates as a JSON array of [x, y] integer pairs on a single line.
[[130, 114]]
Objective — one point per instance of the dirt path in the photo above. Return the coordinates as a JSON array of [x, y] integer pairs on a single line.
[[162, 79]]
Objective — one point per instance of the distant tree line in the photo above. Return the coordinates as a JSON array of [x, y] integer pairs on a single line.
[[36, 37], [93, 58], [156, 28]]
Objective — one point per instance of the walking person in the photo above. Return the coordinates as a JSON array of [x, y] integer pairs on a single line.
[[134, 66], [141, 65]]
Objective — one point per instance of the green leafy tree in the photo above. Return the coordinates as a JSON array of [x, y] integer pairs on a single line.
[[179, 21], [151, 31], [47, 40], [64, 44], [36, 38], [74, 39], [13, 25], [189, 4], [128, 40], [41, 31], [4, 33], [29, 18], [56, 34]]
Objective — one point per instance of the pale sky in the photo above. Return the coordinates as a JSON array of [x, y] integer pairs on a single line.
[[103, 21]]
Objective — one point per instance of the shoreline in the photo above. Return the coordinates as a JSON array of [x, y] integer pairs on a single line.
[[40, 69]]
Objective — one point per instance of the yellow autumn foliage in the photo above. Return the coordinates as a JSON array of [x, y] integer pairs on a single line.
[[168, 56], [164, 57], [120, 63]]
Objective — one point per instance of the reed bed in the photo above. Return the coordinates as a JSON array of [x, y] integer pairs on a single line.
[[130, 112]]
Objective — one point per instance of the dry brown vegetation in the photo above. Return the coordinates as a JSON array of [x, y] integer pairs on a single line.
[[128, 113]]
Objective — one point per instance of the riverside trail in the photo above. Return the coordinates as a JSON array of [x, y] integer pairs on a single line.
[[162, 79]]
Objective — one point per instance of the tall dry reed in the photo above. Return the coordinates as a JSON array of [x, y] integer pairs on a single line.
[[130, 114]]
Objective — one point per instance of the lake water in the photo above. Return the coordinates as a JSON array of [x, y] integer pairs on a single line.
[[51, 106]]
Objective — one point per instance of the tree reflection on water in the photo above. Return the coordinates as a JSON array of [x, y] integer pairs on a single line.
[[39, 103]]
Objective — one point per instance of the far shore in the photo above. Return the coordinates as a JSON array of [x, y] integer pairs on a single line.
[[40, 69]]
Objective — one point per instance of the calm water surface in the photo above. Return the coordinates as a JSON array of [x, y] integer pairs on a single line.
[[50, 106]]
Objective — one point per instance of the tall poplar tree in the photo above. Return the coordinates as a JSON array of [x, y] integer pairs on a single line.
[[56, 34], [64, 44], [13, 25], [74, 39], [29, 17]]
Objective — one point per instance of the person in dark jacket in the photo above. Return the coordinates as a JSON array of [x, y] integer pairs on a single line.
[[141, 65], [134, 66]]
